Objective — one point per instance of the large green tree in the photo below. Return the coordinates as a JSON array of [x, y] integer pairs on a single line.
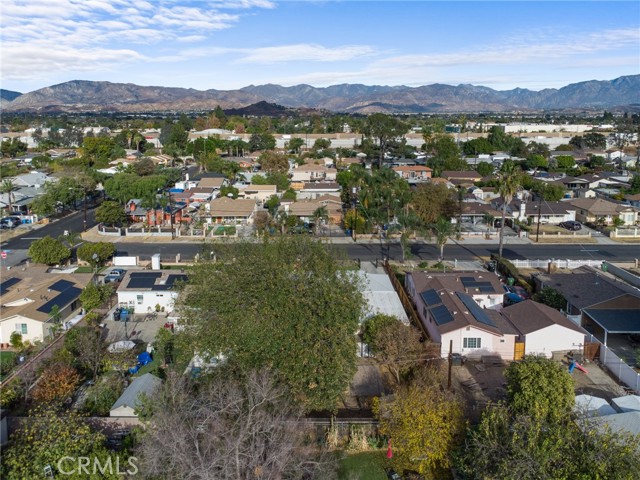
[[539, 387], [513, 446], [431, 201], [111, 213], [96, 253], [49, 251], [286, 304], [56, 440], [384, 128]]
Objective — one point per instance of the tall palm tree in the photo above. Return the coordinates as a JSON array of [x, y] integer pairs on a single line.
[[9, 187], [443, 229], [319, 215], [509, 182]]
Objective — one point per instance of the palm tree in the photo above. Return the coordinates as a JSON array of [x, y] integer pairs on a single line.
[[509, 182], [9, 187], [320, 214], [443, 229]]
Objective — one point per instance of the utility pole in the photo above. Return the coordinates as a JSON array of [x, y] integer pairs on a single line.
[[85, 212], [450, 363], [539, 215]]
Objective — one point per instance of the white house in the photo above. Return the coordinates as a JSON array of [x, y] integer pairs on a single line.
[[149, 291], [456, 308], [543, 329], [260, 193], [129, 401], [28, 300]]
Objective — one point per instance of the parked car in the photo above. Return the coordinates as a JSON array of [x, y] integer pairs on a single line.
[[571, 225], [115, 275], [517, 290], [10, 222]]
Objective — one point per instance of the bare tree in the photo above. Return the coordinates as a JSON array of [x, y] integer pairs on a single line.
[[227, 429]]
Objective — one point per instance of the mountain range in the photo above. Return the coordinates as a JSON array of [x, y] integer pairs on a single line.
[[90, 96]]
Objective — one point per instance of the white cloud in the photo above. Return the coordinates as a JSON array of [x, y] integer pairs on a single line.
[[305, 52]]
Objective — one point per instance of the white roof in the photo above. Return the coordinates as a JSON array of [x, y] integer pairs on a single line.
[[121, 346], [620, 422], [593, 406], [381, 297], [628, 403]]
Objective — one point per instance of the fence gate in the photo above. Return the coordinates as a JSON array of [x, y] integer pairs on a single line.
[[591, 350], [518, 351]]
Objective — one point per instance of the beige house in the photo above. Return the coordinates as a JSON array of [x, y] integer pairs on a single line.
[[229, 211], [598, 210], [212, 182], [415, 173], [261, 193], [310, 172], [304, 209], [28, 298]]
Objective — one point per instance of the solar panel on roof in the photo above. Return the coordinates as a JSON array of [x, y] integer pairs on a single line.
[[141, 282], [61, 300], [7, 284], [488, 289], [441, 315], [475, 310], [61, 285], [431, 297], [146, 274], [172, 279], [467, 279]]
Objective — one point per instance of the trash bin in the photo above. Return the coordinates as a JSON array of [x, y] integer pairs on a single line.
[[510, 281], [604, 266], [456, 359]]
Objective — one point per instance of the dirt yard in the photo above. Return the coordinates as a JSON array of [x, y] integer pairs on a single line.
[[482, 382]]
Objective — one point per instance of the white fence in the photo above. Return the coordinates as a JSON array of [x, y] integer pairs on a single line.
[[569, 264], [623, 372], [625, 233]]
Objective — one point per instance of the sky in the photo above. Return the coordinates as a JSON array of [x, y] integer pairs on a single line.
[[230, 44]]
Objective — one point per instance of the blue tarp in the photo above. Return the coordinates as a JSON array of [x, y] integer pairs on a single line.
[[176, 190], [144, 358]]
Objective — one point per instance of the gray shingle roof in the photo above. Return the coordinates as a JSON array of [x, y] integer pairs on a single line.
[[616, 320]]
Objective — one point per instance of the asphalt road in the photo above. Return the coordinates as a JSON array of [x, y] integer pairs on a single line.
[[366, 252], [17, 247]]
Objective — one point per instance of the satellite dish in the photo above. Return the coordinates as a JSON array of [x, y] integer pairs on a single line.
[[230, 195]]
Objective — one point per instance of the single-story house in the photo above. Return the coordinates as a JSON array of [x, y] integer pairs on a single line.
[[310, 172], [230, 211], [381, 297], [28, 298], [215, 183], [413, 174], [149, 290], [129, 401], [455, 308], [598, 210], [304, 210], [464, 177], [543, 329]]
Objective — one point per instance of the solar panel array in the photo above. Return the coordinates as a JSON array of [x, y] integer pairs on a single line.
[[482, 286], [63, 299], [441, 315], [7, 284], [143, 279], [431, 298], [61, 285], [475, 309]]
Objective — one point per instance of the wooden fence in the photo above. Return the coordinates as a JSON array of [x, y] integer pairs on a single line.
[[433, 349]]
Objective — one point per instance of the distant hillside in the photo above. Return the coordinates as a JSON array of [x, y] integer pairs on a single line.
[[259, 109], [81, 95], [8, 95]]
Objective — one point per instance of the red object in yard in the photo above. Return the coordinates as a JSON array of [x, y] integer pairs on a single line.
[[389, 452]]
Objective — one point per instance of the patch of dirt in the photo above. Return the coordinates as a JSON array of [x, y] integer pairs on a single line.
[[479, 384]]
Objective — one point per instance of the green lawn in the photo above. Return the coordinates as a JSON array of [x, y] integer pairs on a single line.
[[363, 466]]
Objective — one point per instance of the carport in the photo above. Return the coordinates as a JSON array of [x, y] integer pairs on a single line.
[[625, 321]]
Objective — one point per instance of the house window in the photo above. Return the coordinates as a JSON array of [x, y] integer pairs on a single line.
[[21, 328], [139, 298], [471, 343]]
